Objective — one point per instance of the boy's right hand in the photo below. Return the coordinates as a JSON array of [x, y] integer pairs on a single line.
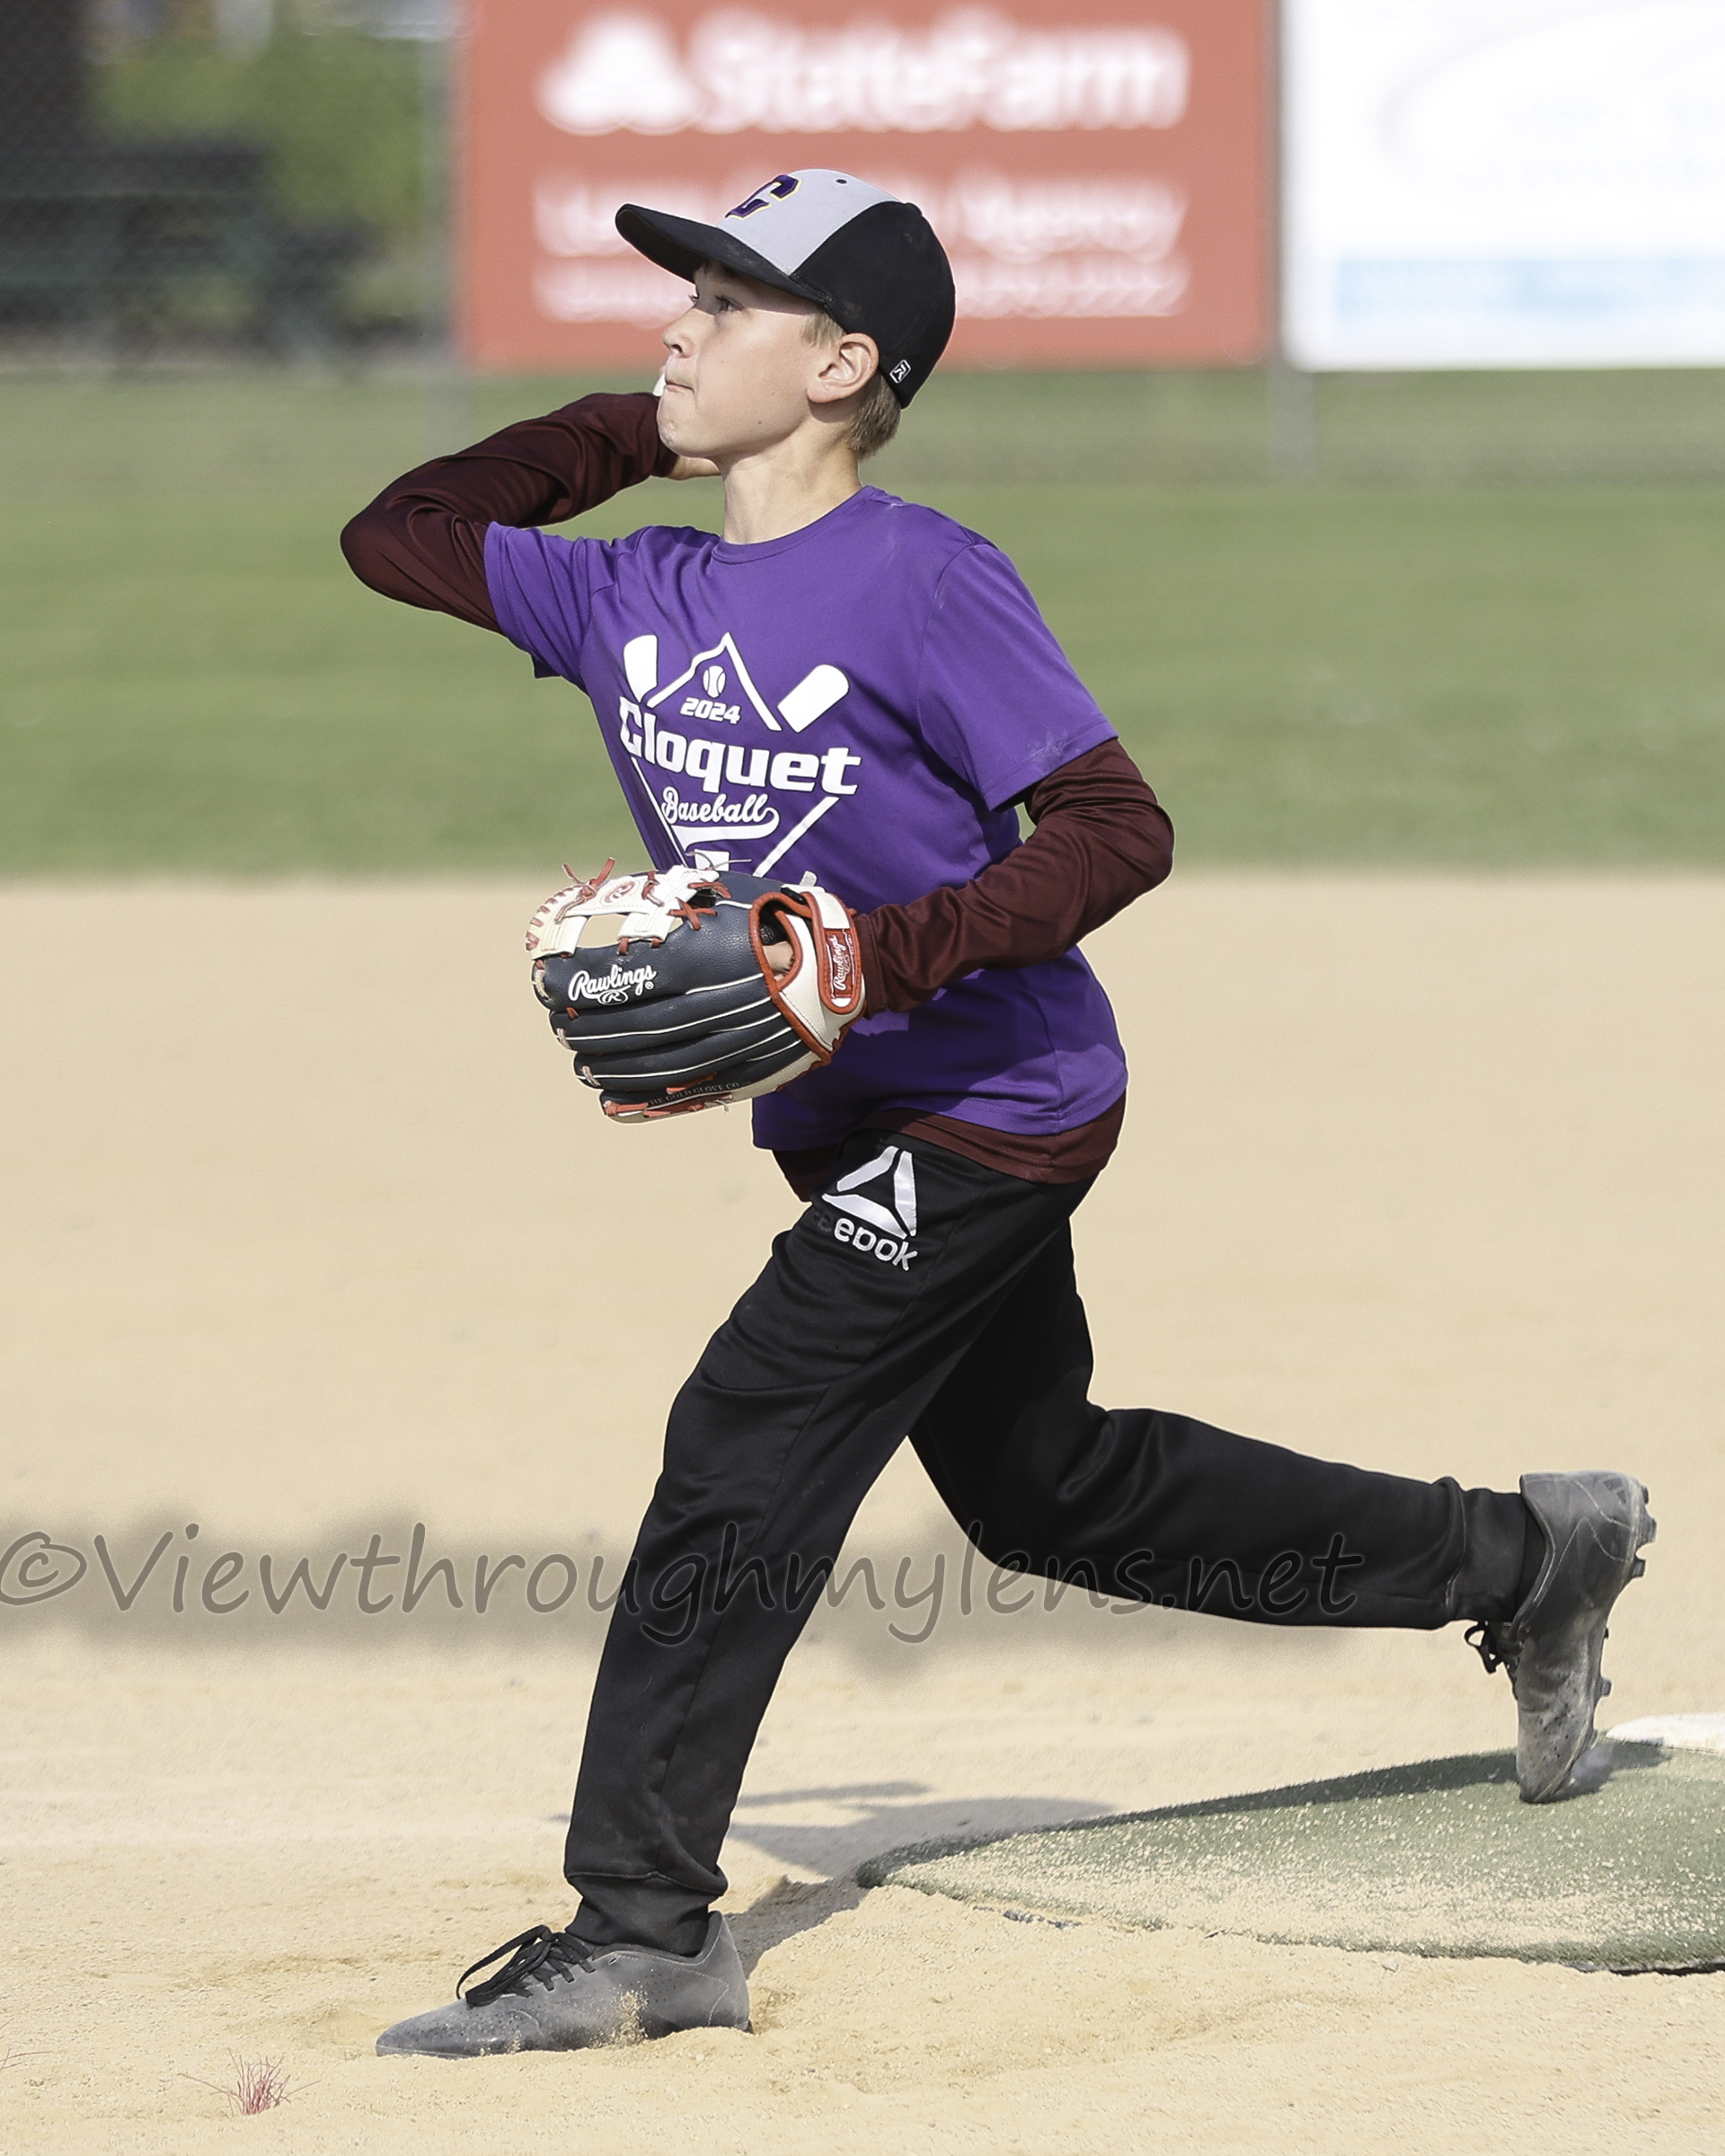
[[694, 467]]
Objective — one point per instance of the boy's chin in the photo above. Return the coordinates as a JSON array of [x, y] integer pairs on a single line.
[[680, 432], [688, 441]]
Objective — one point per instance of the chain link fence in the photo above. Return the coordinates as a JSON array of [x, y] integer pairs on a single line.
[[189, 179]]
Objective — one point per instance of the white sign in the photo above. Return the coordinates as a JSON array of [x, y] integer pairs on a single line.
[[1505, 182]]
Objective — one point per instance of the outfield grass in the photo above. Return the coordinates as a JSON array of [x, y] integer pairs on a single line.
[[1386, 672]]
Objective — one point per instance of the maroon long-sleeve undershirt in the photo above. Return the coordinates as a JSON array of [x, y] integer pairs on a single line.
[[1100, 840], [423, 539]]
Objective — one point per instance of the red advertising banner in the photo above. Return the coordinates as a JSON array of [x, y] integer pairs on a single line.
[[1097, 171]]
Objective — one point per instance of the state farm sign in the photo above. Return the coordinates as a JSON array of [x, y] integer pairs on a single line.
[[969, 70], [1099, 182]]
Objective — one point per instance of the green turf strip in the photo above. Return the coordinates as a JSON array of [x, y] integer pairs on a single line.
[[1441, 1857]]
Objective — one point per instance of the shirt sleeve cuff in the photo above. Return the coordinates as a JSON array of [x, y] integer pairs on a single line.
[[1014, 784]]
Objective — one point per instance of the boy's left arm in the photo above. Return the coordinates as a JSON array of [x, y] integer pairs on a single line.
[[1101, 839]]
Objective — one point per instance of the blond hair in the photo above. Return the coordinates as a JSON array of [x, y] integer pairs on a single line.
[[875, 421]]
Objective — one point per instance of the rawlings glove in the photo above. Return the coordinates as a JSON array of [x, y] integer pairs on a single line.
[[685, 1011]]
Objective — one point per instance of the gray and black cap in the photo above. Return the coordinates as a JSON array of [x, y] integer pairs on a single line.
[[871, 261]]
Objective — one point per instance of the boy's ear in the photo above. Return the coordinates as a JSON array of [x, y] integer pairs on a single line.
[[845, 368]]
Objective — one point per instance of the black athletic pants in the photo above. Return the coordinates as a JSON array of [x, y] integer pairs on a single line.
[[923, 1294]]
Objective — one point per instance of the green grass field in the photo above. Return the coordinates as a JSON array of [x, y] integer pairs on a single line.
[[1373, 669]]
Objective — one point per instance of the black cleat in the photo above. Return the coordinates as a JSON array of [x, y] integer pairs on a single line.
[[557, 1994], [1593, 1523]]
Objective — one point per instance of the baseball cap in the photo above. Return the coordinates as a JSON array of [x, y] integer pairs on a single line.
[[871, 261]]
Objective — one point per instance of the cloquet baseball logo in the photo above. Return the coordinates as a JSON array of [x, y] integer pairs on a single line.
[[870, 1226], [716, 795]]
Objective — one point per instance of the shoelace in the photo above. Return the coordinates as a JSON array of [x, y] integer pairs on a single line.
[[1496, 1646], [540, 1956]]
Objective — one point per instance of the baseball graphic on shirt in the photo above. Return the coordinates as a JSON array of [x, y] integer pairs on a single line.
[[717, 798]]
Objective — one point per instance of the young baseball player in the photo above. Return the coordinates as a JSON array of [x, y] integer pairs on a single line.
[[851, 692]]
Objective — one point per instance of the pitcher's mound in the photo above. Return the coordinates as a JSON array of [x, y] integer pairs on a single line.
[[1437, 1858]]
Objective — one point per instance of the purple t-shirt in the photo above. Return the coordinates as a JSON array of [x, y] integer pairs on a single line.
[[862, 699]]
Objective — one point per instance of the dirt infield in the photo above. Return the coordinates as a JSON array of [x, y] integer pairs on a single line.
[[312, 1242]]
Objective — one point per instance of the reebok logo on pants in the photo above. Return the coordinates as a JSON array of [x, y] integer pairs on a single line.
[[874, 1227]]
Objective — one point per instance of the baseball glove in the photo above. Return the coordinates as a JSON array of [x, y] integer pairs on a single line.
[[684, 1009]]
